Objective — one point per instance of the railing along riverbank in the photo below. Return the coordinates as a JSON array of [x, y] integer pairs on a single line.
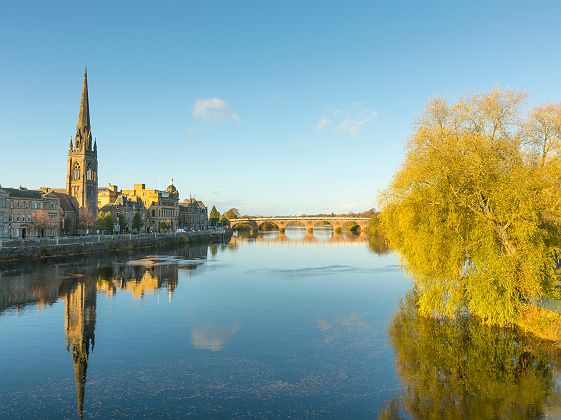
[[40, 248]]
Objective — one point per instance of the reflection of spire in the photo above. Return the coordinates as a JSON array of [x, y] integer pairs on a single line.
[[79, 319]]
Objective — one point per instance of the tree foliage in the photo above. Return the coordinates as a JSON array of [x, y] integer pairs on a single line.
[[165, 225], [122, 222], [475, 209], [214, 215], [42, 220], [137, 222], [105, 222], [67, 225], [233, 213], [87, 218]]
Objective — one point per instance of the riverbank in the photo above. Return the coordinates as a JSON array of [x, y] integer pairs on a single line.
[[43, 248]]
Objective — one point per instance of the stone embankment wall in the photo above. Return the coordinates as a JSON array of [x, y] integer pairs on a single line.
[[38, 248]]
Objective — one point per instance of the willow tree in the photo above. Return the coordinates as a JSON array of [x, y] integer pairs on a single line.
[[475, 208]]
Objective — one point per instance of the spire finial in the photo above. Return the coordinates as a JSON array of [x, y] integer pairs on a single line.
[[84, 115]]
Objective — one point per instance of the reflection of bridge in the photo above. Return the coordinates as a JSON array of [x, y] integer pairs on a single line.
[[280, 238], [308, 222]]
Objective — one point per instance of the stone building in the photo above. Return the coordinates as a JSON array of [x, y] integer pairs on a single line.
[[81, 169], [193, 215], [4, 214], [107, 195], [33, 213], [128, 209], [162, 206], [69, 212]]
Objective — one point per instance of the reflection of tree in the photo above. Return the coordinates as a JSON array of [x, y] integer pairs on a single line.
[[377, 244], [467, 370], [390, 412]]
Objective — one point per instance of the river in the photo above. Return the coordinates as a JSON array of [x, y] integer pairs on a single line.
[[282, 325]]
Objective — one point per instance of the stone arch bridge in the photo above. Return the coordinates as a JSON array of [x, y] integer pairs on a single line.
[[307, 222]]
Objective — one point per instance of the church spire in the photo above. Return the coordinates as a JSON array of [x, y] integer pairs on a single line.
[[84, 116]]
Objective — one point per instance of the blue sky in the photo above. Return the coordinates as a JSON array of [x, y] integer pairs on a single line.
[[272, 107]]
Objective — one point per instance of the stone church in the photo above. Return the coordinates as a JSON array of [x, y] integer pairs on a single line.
[[81, 170]]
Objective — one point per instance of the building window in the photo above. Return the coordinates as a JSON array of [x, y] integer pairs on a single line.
[[90, 174], [76, 174]]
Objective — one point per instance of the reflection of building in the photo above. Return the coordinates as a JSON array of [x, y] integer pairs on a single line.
[[43, 285], [79, 322], [138, 280], [193, 215], [22, 290]]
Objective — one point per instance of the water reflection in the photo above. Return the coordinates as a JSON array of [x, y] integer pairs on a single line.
[[77, 285], [467, 370], [297, 235], [213, 337], [79, 321]]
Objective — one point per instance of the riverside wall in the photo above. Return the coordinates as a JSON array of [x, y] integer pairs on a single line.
[[43, 248]]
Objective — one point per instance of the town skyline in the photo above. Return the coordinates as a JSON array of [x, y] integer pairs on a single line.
[[243, 105]]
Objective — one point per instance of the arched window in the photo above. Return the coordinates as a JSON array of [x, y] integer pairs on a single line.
[[90, 176], [76, 174]]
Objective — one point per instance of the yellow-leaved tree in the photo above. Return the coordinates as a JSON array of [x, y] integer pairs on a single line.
[[475, 209]]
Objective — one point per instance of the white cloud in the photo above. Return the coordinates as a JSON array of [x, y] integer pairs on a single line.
[[347, 121], [214, 110], [322, 123]]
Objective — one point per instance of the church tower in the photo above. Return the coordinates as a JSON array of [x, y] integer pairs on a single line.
[[81, 170]]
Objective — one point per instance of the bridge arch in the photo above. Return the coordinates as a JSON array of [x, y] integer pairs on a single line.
[[324, 224], [242, 226], [295, 223], [268, 226]]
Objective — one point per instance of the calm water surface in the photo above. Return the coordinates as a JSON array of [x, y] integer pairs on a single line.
[[279, 325]]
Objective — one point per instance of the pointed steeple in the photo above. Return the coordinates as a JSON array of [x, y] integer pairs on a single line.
[[84, 115], [71, 146]]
